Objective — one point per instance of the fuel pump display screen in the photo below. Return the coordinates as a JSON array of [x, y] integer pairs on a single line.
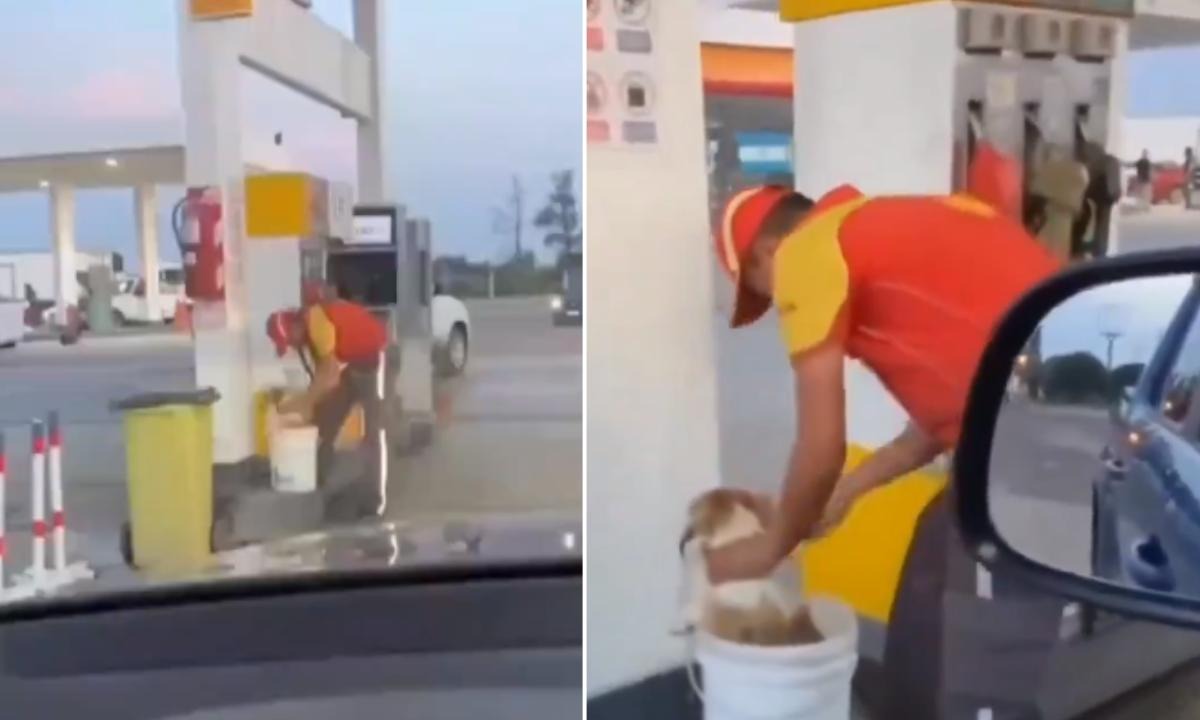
[[367, 278], [373, 230]]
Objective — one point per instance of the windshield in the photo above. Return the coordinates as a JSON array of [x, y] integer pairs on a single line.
[[163, 438]]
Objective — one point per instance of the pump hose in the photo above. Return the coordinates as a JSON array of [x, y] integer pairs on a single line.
[[177, 224]]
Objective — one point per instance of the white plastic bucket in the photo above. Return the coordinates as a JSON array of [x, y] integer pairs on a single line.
[[294, 459], [799, 682]]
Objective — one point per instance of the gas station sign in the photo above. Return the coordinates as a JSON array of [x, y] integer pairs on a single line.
[[220, 9], [764, 153]]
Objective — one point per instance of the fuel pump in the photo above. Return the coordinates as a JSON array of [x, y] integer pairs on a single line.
[[1091, 232], [1033, 86], [385, 265]]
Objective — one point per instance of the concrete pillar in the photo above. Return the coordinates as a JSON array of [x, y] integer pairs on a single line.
[[210, 81], [1117, 105], [62, 233], [370, 32], [652, 415], [145, 207]]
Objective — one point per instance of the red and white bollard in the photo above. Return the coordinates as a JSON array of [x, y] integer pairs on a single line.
[[46, 574], [37, 500], [58, 517]]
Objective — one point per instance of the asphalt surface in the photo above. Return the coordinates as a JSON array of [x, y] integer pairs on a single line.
[[757, 419], [509, 436]]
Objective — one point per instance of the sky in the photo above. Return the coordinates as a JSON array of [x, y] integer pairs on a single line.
[[477, 91], [1138, 310]]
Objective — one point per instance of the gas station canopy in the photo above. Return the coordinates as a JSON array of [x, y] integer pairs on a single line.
[[1156, 23], [104, 168]]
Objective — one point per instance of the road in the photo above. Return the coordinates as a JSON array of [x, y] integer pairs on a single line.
[[509, 437], [757, 424]]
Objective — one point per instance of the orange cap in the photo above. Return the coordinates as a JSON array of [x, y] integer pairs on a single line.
[[281, 329], [741, 222]]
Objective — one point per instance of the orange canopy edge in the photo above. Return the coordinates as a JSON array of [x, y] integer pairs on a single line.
[[744, 70]]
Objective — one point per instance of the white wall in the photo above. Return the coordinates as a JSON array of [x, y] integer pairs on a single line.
[[651, 371]]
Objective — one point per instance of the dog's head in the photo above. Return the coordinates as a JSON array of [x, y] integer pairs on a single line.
[[707, 514]]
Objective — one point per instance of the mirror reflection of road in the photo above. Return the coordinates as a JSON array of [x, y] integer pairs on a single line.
[[511, 435], [1044, 461]]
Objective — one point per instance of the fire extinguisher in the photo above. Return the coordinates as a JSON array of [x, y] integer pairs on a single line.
[[197, 222]]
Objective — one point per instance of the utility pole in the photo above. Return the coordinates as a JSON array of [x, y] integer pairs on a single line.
[[509, 221], [1112, 338]]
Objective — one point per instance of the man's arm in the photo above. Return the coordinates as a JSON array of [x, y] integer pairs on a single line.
[[911, 450], [819, 448]]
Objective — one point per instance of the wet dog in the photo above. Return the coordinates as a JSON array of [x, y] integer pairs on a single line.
[[761, 611]]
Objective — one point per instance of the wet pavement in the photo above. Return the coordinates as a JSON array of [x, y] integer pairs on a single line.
[[510, 435]]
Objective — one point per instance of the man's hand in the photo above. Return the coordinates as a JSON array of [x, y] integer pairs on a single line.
[[911, 450], [836, 511], [749, 559]]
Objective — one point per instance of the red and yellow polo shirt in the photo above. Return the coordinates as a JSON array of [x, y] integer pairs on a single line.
[[911, 286], [346, 331]]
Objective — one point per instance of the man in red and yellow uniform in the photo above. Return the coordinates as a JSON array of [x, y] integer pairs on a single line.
[[341, 344], [910, 286]]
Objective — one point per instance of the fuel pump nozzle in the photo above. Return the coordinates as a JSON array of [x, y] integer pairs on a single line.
[[1057, 186]]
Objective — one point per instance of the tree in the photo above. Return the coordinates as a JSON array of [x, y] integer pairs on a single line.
[[560, 217], [509, 221], [1075, 378]]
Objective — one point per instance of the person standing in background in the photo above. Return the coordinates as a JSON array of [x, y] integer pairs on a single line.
[[1189, 180], [1145, 192]]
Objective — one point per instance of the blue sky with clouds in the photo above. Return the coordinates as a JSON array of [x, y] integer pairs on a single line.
[[477, 90]]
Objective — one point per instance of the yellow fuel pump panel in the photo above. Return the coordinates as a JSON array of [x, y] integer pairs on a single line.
[[286, 205]]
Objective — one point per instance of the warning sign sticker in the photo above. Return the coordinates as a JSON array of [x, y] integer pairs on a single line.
[[597, 95], [622, 71], [633, 12], [637, 93]]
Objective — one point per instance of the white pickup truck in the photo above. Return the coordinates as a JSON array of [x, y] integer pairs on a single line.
[[12, 322], [131, 307], [451, 333]]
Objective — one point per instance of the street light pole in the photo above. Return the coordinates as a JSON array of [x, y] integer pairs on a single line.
[[1112, 338]]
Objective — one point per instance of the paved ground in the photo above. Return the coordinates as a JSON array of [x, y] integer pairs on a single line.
[[510, 441], [757, 422], [1044, 461]]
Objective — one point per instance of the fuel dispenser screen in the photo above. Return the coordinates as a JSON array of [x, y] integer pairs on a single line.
[[367, 278]]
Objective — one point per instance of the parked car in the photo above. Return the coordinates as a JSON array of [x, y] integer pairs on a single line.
[[1145, 511], [12, 322], [131, 307], [451, 333], [1167, 183], [567, 306]]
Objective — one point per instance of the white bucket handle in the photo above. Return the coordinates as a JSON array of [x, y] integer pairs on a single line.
[[695, 682]]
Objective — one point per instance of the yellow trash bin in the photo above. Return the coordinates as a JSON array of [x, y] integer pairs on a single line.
[[169, 476]]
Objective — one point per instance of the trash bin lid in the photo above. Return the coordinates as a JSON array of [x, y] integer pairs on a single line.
[[146, 401]]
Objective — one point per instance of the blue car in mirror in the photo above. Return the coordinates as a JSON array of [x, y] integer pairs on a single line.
[[1079, 463]]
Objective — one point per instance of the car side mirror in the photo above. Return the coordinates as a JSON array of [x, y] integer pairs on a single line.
[[1067, 488]]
